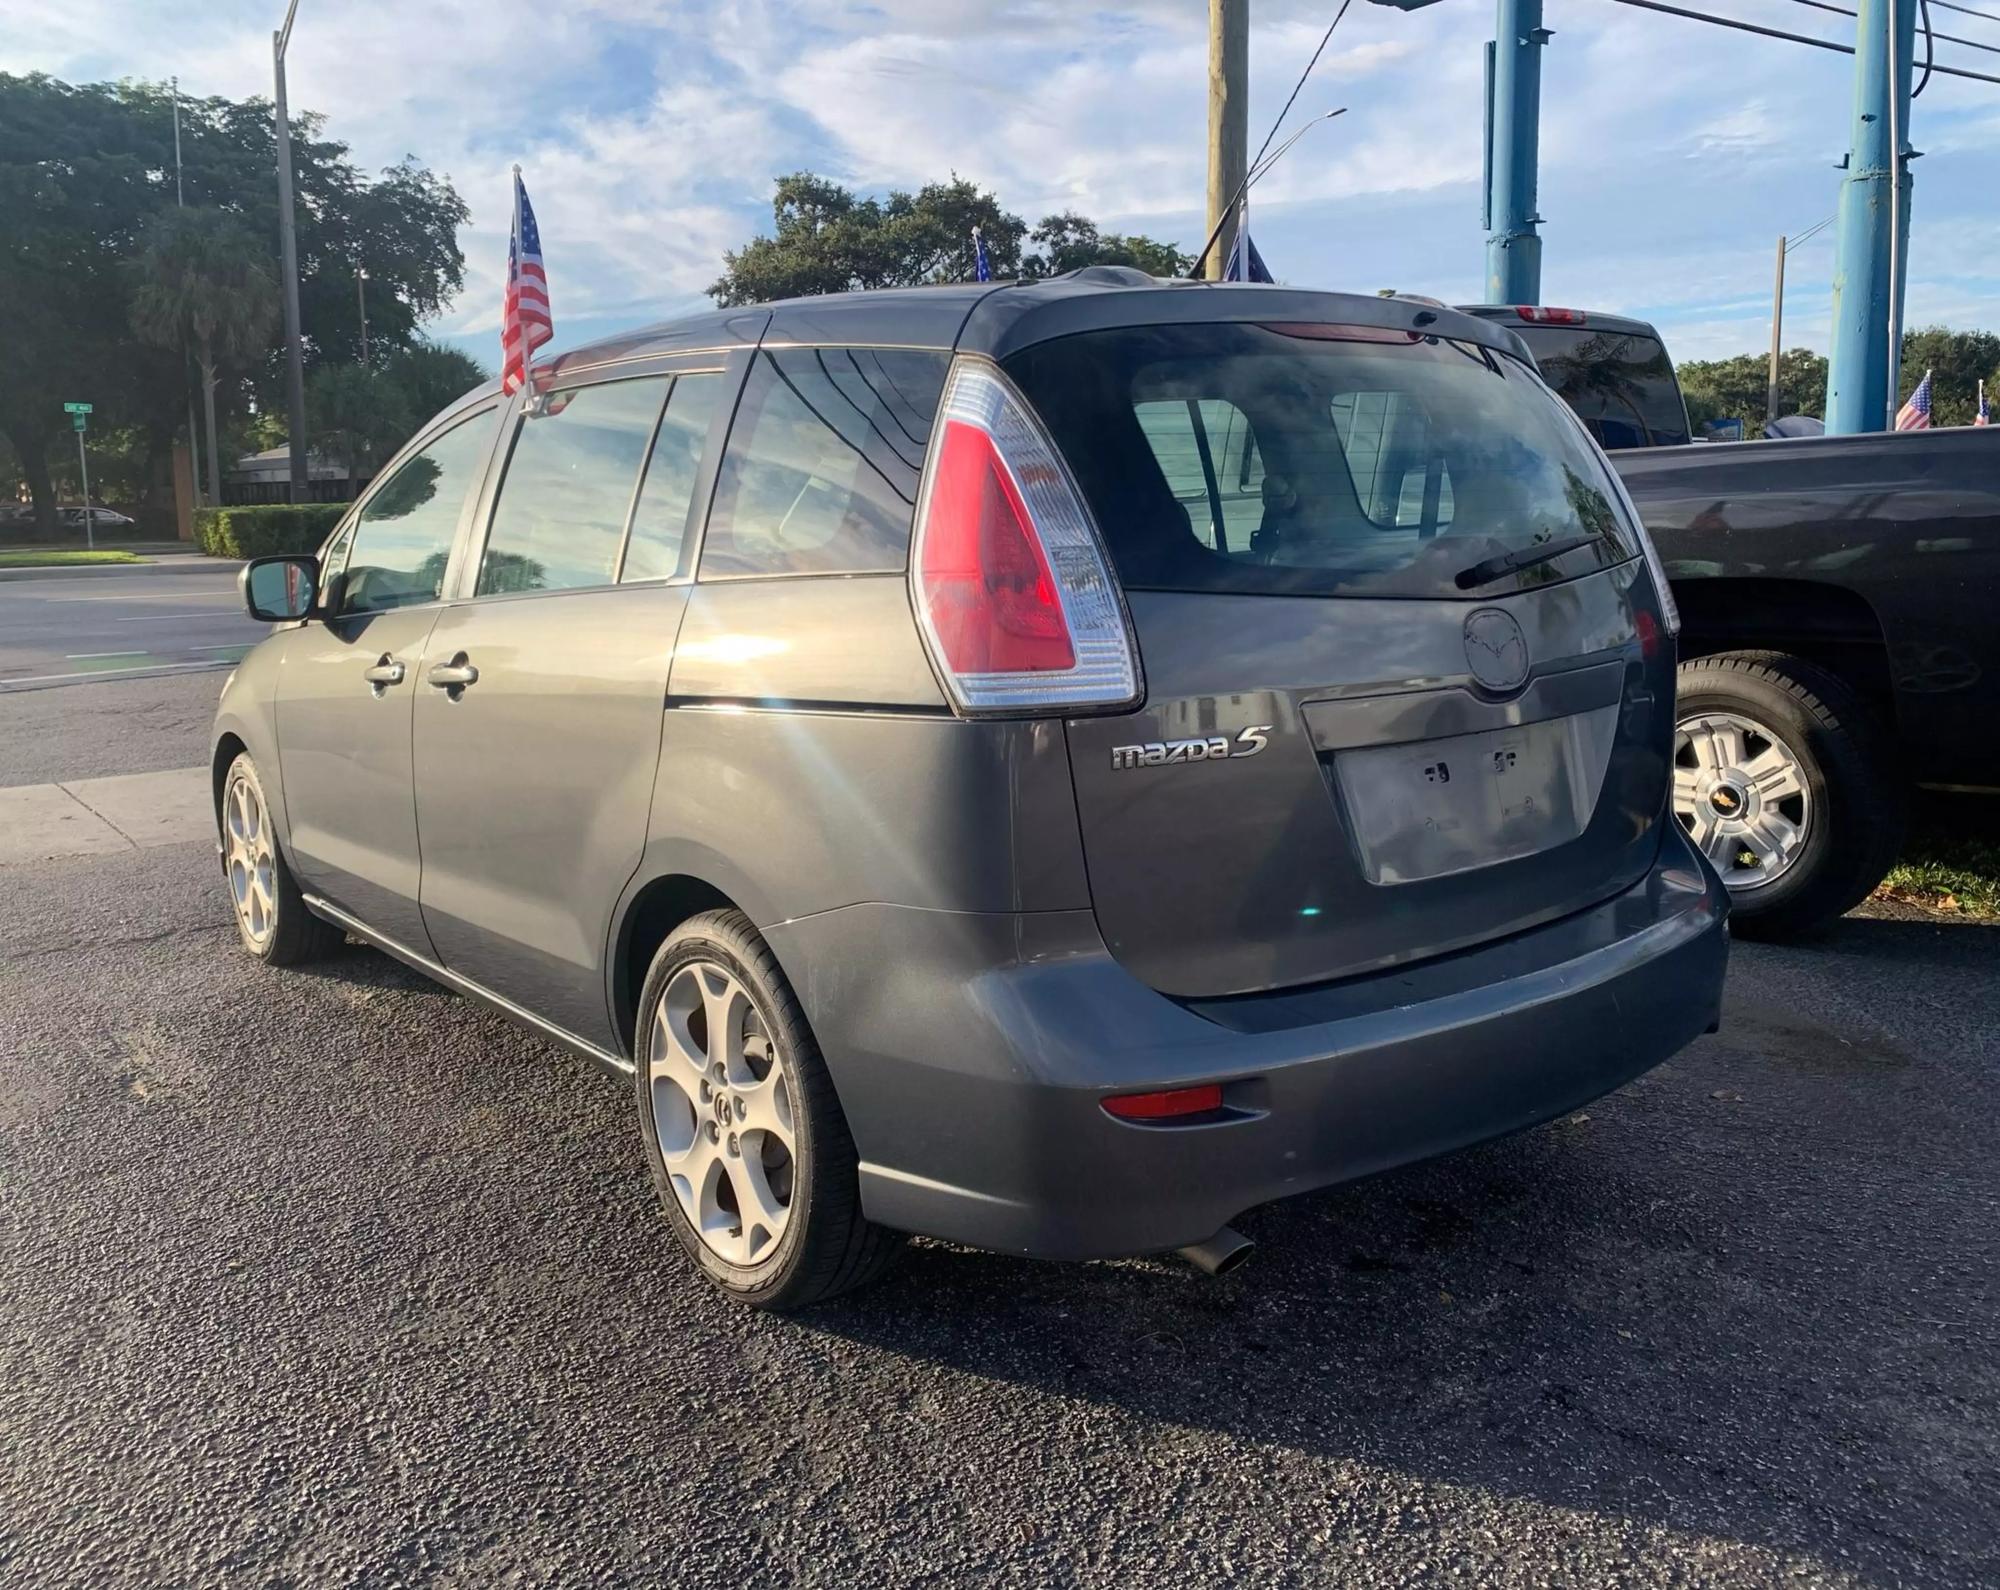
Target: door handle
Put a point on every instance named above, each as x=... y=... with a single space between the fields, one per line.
x=454 y=676
x=386 y=672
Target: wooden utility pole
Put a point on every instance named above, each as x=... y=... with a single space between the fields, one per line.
x=1228 y=120
x=1777 y=335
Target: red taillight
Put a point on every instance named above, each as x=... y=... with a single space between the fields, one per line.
x=1536 y=315
x=985 y=579
x=1649 y=633
x=1167 y=1105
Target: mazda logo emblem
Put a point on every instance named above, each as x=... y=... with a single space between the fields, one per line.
x=1495 y=649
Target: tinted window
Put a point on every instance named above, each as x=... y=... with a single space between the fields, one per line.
x=820 y=476
x=1621 y=384
x=1384 y=465
x=659 y=528
x=561 y=515
x=402 y=539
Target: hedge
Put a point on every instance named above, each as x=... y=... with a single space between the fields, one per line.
x=258 y=532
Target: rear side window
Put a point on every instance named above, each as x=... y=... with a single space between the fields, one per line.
x=820 y=475
x=1383 y=462
x=659 y=526
x=1208 y=453
x=402 y=537
x=560 y=519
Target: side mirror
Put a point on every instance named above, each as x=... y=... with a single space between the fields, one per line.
x=279 y=590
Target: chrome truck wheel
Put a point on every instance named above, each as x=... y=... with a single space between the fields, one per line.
x=1740 y=792
x=1789 y=783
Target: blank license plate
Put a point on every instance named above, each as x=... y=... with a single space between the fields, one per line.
x=1435 y=807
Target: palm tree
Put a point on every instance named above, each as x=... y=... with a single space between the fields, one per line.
x=203 y=284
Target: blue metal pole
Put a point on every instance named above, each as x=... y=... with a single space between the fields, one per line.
x=1872 y=243
x=1513 y=115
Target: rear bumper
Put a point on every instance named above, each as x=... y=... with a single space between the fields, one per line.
x=971 y=1052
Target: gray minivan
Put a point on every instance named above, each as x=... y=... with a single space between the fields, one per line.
x=1047 y=766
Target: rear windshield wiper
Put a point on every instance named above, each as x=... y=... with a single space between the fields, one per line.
x=1487 y=570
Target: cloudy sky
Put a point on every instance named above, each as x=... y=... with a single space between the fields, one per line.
x=1673 y=154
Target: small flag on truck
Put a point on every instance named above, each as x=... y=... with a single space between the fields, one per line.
x=1915 y=415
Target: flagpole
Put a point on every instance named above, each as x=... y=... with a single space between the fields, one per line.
x=516 y=259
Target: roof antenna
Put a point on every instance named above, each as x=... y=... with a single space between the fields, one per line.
x=1249 y=178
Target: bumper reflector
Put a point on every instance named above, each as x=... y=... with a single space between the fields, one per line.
x=1167 y=1105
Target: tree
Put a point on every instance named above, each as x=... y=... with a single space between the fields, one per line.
x=1957 y=361
x=1737 y=388
x=198 y=284
x=431 y=377
x=827 y=239
x=357 y=413
x=84 y=174
x=1070 y=242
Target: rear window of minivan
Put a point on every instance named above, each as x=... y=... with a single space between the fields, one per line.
x=1309 y=459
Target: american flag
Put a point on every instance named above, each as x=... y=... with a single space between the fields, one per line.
x=1915 y=415
x=524 y=316
x=1984 y=416
x=981 y=270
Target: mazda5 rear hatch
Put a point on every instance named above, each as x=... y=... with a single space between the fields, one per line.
x=1408 y=684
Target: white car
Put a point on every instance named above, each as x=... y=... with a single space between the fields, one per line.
x=101 y=518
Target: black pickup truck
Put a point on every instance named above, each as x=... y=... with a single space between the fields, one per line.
x=1840 y=601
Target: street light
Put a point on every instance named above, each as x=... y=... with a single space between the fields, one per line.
x=295 y=368
x=361 y=297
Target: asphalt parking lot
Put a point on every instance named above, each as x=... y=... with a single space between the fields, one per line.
x=331 y=1278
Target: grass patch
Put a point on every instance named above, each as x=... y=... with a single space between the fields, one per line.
x=62 y=559
x=1952 y=860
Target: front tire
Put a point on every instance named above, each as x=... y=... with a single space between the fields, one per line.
x=1782 y=777
x=748 y=1147
x=271 y=915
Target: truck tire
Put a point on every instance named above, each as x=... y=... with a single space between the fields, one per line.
x=1784 y=779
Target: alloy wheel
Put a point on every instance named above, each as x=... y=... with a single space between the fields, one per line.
x=723 y=1113
x=1740 y=791
x=251 y=862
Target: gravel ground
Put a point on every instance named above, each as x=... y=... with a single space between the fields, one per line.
x=332 y=1278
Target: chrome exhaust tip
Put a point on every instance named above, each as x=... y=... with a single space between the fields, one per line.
x=1227 y=1250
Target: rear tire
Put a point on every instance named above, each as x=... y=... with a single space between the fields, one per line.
x=745 y=1138
x=271 y=915
x=1803 y=732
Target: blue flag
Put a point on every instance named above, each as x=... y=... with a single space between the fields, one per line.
x=1245 y=263
x=980 y=269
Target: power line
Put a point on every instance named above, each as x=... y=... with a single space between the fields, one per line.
x=1984 y=16
x=1942 y=38
x=1301 y=83
x=1779 y=33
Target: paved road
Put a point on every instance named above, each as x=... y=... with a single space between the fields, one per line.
x=179 y=615
x=329 y=1277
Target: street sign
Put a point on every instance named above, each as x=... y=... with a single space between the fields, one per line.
x=76 y=408
x=80 y=421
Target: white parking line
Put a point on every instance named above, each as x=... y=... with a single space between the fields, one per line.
x=86 y=656
x=166 y=618
x=153 y=596
x=110 y=673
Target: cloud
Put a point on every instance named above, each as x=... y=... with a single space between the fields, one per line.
x=650 y=132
